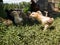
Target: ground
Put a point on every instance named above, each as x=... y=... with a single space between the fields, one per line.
x=30 y=35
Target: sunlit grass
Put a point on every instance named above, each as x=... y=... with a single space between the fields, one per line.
x=30 y=35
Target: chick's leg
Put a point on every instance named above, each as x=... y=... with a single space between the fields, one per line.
x=45 y=27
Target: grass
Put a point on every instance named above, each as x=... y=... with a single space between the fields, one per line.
x=30 y=35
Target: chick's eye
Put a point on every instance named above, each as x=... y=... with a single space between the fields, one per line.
x=32 y=14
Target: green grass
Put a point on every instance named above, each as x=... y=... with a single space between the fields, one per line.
x=30 y=35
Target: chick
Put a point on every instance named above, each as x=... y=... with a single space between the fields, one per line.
x=17 y=19
x=7 y=22
x=46 y=21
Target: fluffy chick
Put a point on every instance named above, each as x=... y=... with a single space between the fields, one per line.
x=46 y=21
x=7 y=22
x=17 y=18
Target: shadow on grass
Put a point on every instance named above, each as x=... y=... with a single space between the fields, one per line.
x=52 y=28
x=30 y=22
